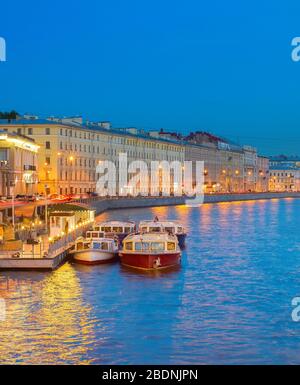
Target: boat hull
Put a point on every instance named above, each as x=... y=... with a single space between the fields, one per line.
x=92 y=257
x=181 y=240
x=150 y=261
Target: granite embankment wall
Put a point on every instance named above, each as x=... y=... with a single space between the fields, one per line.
x=103 y=205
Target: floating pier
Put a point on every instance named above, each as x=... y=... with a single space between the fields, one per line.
x=48 y=251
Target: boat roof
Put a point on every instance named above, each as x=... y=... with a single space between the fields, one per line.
x=151 y=237
x=115 y=223
x=159 y=223
x=101 y=239
x=151 y=223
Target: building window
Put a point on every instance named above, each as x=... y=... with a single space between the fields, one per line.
x=47 y=131
x=29 y=131
x=48 y=145
x=47 y=160
x=19 y=131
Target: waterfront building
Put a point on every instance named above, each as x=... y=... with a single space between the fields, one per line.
x=263 y=174
x=284 y=161
x=228 y=167
x=70 y=150
x=284 y=178
x=18 y=165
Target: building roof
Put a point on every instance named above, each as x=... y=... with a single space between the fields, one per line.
x=284 y=158
x=89 y=126
x=284 y=167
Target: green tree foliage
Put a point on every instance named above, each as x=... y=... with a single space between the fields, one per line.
x=9 y=115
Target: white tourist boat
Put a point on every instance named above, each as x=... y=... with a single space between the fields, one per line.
x=116 y=228
x=95 y=248
x=171 y=227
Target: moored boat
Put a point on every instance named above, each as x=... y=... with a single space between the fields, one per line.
x=150 y=251
x=171 y=227
x=116 y=228
x=95 y=248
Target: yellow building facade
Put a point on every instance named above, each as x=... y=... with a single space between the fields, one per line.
x=69 y=153
x=18 y=165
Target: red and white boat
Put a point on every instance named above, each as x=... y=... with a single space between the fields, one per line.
x=150 y=251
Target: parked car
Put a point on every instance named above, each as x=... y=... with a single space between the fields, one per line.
x=31 y=198
x=20 y=197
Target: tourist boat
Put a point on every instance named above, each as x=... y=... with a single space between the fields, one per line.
x=95 y=248
x=171 y=227
x=150 y=251
x=116 y=228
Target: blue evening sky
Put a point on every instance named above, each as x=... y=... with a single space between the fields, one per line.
x=221 y=66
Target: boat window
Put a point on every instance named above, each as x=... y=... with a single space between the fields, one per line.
x=142 y=246
x=146 y=245
x=80 y=246
x=97 y=228
x=88 y=234
x=128 y=246
x=104 y=246
x=171 y=246
x=127 y=230
x=102 y=228
x=95 y=235
x=155 y=229
x=107 y=229
x=179 y=229
x=86 y=246
x=170 y=229
x=96 y=245
x=117 y=229
x=157 y=246
x=144 y=228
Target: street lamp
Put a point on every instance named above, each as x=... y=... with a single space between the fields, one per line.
x=46 y=207
x=12 y=185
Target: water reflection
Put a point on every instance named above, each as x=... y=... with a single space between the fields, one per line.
x=43 y=324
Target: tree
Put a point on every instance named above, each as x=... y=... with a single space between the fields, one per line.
x=9 y=115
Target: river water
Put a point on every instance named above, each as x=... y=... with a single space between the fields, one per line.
x=229 y=302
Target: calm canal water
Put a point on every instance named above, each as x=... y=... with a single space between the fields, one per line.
x=229 y=303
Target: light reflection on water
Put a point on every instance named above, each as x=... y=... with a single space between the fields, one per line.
x=228 y=303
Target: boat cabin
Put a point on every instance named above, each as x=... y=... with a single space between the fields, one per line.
x=93 y=234
x=116 y=227
x=104 y=244
x=161 y=226
x=150 y=243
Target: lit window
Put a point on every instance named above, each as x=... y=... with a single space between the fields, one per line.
x=128 y=246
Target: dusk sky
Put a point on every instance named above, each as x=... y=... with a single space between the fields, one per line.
x=220 y=66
